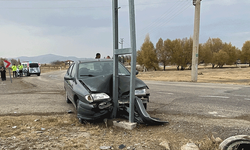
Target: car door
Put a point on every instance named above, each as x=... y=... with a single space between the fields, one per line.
x=68 y=84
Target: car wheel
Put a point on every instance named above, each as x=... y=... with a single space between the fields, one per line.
x=38 y=74
x=67 y=99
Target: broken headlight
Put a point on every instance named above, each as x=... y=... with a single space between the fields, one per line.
x=139 y=92
x=96 y=97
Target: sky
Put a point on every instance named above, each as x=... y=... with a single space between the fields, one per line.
x=83 y=28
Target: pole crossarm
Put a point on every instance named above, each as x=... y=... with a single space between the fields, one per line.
x=123 y=51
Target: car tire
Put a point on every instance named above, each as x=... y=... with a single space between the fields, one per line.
x=67 y=99
x=38 y=74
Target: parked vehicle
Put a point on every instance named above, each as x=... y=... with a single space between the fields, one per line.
x=34 y=68
x=89 y=86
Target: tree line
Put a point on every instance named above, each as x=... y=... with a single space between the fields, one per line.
x=179 y=52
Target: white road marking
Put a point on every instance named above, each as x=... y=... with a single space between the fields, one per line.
x=165 y=93
x=247 y=99
x=216 y=96
x=213 y=113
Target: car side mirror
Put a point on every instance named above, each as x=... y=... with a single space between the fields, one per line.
x=69 y=78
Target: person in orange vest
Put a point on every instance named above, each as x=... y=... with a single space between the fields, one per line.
x=14 y=68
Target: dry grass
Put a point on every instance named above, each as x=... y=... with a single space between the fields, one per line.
x=45 y=69
x=65 y=132
x=227 y=75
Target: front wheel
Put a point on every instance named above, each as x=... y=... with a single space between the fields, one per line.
x=38 y=74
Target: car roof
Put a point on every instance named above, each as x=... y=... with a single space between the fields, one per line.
x=94 y=60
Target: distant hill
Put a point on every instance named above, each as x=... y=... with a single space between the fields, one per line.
x=48 y=58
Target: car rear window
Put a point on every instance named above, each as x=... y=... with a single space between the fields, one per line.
x=34 y=65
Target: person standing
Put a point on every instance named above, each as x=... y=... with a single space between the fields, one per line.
x=3 y=73
x=97 y=56
x=14 y=68
x=20 y=67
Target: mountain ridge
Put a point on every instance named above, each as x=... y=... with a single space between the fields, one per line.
x=48 y=58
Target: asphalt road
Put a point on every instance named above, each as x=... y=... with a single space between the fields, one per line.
x=46 y=93
x=206 y=99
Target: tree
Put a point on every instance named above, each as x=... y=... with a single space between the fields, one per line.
x=181 y=52
x=215 y=45
x=1 y=61
x=13 y=61
x=205 y=54
x=187 y=51
x=162 y=50
x=220 y=58
x=245 y=55
x=147 y=55
x=177 y=53
x=231 y=52
x=57 y=63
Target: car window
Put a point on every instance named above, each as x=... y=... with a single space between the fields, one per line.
x=24 y=65
x=34 y=65
x=100 y=68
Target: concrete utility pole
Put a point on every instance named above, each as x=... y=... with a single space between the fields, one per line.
x=195 y=54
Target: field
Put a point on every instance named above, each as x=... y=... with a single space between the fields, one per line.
x=226 y=75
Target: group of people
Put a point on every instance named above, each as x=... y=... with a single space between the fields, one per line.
x=14 y=69
x=98 y=56
x=20 y=70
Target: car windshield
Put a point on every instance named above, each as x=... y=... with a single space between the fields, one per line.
x=98 y=68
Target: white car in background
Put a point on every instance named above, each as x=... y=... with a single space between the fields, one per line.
x=34 y=68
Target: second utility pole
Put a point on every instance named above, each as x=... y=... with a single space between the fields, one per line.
x=195 y=54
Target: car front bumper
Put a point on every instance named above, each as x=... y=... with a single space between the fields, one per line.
x=91 y=112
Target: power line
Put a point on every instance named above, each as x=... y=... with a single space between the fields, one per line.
x=85 y=7
x=166 y=20
x=159 y=18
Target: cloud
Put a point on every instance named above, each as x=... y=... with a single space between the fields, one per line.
x=22 y=40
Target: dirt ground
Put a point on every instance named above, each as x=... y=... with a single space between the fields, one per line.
x=63 y=131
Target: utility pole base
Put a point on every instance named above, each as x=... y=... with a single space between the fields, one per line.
x=125 y=125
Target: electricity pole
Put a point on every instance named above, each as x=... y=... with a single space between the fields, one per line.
x=195 y=54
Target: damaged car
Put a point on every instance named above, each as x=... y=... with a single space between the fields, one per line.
x=89 y=87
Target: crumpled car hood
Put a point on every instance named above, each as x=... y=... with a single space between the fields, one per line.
x=104 y=84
